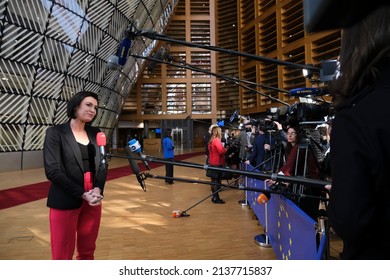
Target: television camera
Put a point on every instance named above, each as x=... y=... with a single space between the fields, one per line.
x=305 y=116
x=310 y=110
x=296 y=115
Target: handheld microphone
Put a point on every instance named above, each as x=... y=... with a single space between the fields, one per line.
x=233 y=116
x=123 y=50
x=101 y=142
x=134 y=167
x=136 y=147
x=302 y=92
x=263 y=198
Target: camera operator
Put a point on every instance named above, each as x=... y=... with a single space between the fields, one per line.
x=277 y=140
x=280 y=133
x=246 y=140
x=325 y=136
x=297 y=165
x=233 y=150
x=260 y=145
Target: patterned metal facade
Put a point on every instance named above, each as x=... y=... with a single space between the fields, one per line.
x=52 y=49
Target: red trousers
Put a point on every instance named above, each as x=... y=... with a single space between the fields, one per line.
x=75 y=228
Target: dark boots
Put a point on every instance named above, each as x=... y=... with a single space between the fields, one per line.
x=215 y=190
x=216 y=199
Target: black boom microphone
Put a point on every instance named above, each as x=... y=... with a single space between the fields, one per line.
x=134 y=167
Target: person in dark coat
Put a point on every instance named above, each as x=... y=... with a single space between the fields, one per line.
x=73 y=165
x=259 y=147
x=359 y=208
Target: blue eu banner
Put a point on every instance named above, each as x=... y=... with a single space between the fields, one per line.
x=291 y=232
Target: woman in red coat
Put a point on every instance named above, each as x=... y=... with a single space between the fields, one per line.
x=216 y=158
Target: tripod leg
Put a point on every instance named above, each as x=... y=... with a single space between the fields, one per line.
x=184 y=213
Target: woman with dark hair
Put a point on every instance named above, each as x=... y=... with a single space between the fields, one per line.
x=291 y=141
x=73 y=166
x=359 y=208
x=169 y=154
x=301 y=161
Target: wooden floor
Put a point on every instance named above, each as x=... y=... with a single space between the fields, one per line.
x=138 y=225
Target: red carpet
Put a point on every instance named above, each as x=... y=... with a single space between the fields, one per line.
x=28 y=193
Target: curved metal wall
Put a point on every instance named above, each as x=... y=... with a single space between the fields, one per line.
x=50 y=50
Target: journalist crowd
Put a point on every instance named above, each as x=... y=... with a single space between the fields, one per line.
x=271 y=146
x=349 y=151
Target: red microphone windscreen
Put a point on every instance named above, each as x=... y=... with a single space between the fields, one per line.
x=262 y=198
x=101 y=139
